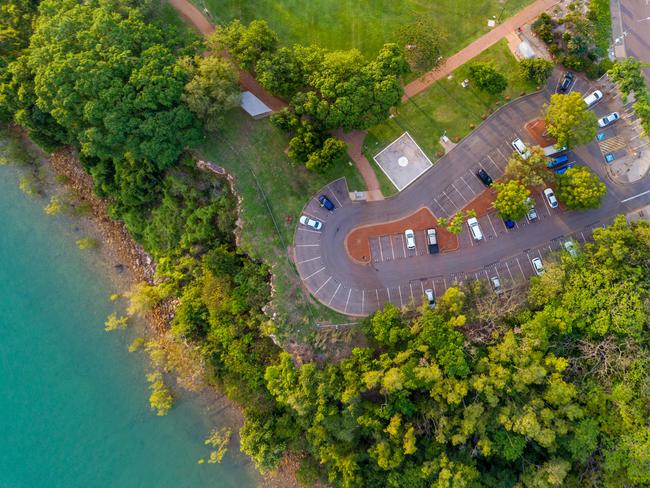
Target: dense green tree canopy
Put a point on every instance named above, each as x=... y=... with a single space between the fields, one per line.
x=536 y=69
x=579 y=188
x=569 y=121
x=531 y=171
x=511 y=200
x=487 y=77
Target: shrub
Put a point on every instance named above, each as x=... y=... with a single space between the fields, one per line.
x=486 y=77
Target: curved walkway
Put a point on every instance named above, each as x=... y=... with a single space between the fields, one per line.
x=478 y=46
x=398 y=275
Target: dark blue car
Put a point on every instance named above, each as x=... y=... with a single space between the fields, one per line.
x=325 y=202
x=563 y=169
x=559 y=161
x=509 y=224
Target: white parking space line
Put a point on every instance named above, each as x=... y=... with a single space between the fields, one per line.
x=381 y=252
x=494 y=164
x=509 y=272
x=401 y=302
x=309 y=230
x=391 y=247
x=412 y=296
x=307 y=245
x=521 y=269
x=492 y=225
x=403 y=245
x=548 y=209
x=584 y=239
x=308 y=260
x=458 y=191
x=348 y=299
x=335 y=291
x=550 y=249
x=452 y=202
x=636 y=196
x=363 y=299
x=314 y=273
x=321 y=286
x=335 y=198
x=504 y=158
x=467 y=184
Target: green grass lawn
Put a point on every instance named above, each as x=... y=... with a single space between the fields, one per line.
x=364 y=24
x=246 y=147
x=447 y=106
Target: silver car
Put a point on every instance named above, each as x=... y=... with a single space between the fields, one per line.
x=608 y=119
x=532 y=212
x=538 y=266
x=431 y=298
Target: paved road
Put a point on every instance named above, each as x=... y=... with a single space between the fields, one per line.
x=634 y=21
x=400 y=276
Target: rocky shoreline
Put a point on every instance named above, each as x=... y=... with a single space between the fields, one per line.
x=119 y=251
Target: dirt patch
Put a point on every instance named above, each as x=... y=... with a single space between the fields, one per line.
x=358 y=245
x=537 y=130
x=482 y=204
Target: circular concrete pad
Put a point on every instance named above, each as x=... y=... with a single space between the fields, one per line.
x=403 y=161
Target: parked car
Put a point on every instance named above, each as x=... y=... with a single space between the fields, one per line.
x=410 y=238
x=538 y=266
x=496 y=284
x=532 y=212
x=475 y=229
x=521 y=148
x=550 y=197
x=552 y=150
x=608 y=119
x=432 y=241
x=593 y=98
x=571 y=248
x=484 y=177
x=326 y=203
x=566 y=83
x=510 y=224
x=431 y=298
x=563 y=169
x=309 y=222
x=559 y=161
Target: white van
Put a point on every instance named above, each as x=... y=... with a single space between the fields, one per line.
x=521 y=148
x=475 y=229
x=593 y=98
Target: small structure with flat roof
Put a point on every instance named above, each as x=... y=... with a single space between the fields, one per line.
x=403 y=161
x=253 y=106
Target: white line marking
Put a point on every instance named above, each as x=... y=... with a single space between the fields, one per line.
x=461 y=195
x=433 y=285
x=388 y=292
x=307 y=245
x=377 y=293
x=492 y=225
x=444 y=281
x=549 y=248
x=520 y=268
x=346 y=302
x=404 y=245
x=314 y=273
x=335 y=198
x=363 y=299
x=499 y=150
x=509 y=272
x=411 y=287
x=392 y=248
x=309 y=230
x=401 y=302
x=307 y=260
x=636 y=196
x=494 y=164
x=584 y=239
x=422 y=286
x=335 y=291
x=470 y=188
x=548 y=209
x=321 y=286
x=381 y=252
x=452 y=202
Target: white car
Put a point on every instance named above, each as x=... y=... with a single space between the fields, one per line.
x=532 y=213
x=550 y=196
x=570 y=247
x=431 y=298
x=537 y=266
x=521 y=148
x=496 y=283
x=410 y=238
x=593 y=98
x=608 y=119
x=309 y=222
x=475 y=229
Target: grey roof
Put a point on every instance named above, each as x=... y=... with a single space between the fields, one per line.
x=255 y=107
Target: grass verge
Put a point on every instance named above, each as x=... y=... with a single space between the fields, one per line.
x=254 y=152
x=448 y=107
x=345 y=24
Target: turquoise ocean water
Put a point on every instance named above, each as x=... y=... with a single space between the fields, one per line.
x=73 y=401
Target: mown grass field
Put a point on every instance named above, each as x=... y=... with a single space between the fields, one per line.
x=274 y=191
x=363 y=24
x=447 y=106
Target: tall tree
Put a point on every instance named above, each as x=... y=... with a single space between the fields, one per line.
x=581 y=189
x=246 y=43
x=487 y=77
x=531 y=171
x=536 y=69
x=569 y=121
x=511 y=200
x=213 y=89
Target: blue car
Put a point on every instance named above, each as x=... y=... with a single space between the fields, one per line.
x=563 y=169
x=509 y=224
x=325 y=202
x=559 y=161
